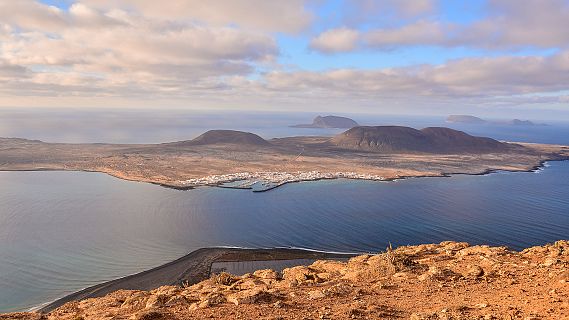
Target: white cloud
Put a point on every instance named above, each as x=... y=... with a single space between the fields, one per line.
x=281 y=16
x=510 y=24
x=415 y=7
x=336 y=40
x=29 y=14
x=84 y=16
x=9 y=72
x=94 y=50
x=225 y=53
x=466 y=78
x=507 y=25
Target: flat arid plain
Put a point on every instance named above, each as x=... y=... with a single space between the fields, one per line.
x=220 y=156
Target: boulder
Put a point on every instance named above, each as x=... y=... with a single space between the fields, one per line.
x=329 y=266
x=156 y=301
x=316 y=294
x=267 y=274
x=225 y=279
x=439 y=274
x=246 y=284
x=300 y=275
x=209 y=301
x=473 y=271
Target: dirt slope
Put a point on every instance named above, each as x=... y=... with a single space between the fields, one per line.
x=450 y=280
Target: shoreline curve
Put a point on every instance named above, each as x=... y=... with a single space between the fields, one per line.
x=190 y=269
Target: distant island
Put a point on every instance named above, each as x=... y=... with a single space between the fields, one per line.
x=244 y=160
x=518 y=122
x=460 y=118
x=329 y=122
x=468 y=119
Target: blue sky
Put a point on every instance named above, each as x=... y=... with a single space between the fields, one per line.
x=63 y=4
x=328 y=14
x=380 y=55
x=296 y=51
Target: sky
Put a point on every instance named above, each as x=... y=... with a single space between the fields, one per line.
x=482 y=57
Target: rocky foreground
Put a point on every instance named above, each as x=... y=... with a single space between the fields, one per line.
x=450 y=280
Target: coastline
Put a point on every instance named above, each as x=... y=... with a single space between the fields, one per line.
x=187 y=165
x=189 y=269
x=540 y=166
x=460 y=281
x=176 y=186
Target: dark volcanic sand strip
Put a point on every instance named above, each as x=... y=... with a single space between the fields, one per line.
x=190 y=269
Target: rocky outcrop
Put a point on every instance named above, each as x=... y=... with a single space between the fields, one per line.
x=394 y=139
x=329 y=122
x=449 y=280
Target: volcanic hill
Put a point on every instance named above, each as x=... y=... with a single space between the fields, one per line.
x=213 y=137
x=389 y=139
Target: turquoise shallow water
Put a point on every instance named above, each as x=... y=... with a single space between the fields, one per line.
x=63 y=231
